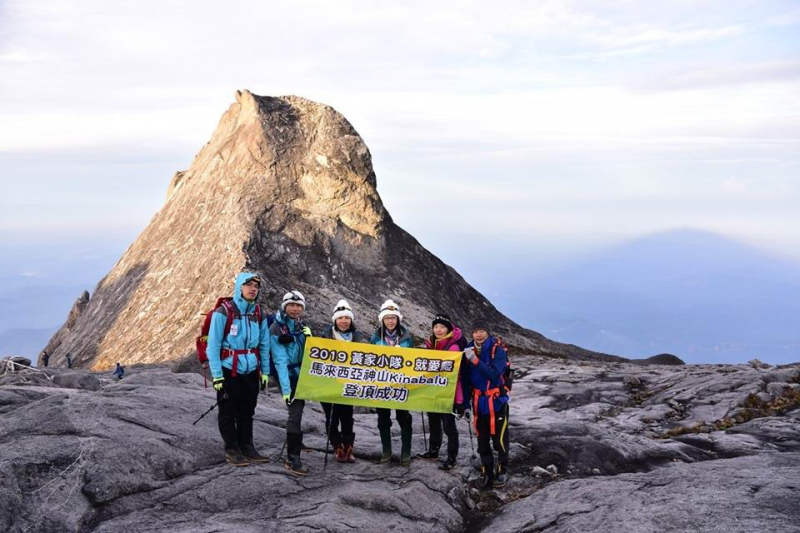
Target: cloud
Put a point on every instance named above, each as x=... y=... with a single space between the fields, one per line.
x=734 y=185
x=790 y=18
x=727 y=75
x=598 y=115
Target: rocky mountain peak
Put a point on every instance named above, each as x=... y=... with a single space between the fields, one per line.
x=286 y=187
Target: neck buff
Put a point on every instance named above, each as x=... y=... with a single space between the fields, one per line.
x=339 y=336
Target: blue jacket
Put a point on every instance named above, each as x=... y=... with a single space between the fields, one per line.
x=488 y=374
x=245 y=334
x=287 y=357
x=405 y=340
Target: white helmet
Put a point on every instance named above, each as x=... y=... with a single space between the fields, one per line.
x=293 y=297
x=342 y=309
x=389 y=308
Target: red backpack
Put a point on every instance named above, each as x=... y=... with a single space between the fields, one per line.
x=231 y=312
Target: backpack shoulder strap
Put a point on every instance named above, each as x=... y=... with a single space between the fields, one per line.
x=230 y=314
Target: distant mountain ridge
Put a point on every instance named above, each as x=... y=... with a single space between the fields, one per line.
x=700 y=296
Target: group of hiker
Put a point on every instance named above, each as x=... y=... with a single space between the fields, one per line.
x=245 y=346
x=119 y=371
x=45 y=358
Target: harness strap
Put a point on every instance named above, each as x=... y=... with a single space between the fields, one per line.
x=231 y=312
x=491 y=396
x=227 y=352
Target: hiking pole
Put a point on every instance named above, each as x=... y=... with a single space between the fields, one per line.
x=224 y=397
x=424 y=436
x=471 y=443
x=281 y=452
x=328 y=420
x=204 y=414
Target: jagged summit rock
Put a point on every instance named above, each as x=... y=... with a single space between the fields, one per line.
x=285 y=186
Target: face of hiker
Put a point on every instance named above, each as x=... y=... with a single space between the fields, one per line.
x=439 y=331
x=480 y=335
x=294 y=311
x=390 y=322
x=343 y=323
x=250 y=290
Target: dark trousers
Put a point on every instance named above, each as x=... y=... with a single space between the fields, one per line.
x=339 y=415
x=448 y=422
x=385 y=418
x=294 y=423
x=499 y=440
x=237 y=409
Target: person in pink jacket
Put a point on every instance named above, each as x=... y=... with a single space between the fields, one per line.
x=446 y=336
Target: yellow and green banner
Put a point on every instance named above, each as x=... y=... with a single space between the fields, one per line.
x=370 y=375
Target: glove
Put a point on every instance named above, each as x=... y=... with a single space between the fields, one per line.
x=286 y=338
x=459 y=411
x=469 y=353
x=219 y=383
x=288 y=399
x=468 y=415
x=264 y=381
x=307 y=331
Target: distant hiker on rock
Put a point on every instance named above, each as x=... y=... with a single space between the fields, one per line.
x=342 y=329
x=445 y=336
x=487 y=360
x=45 y=358
x=69 y=360
x=391 y=333
x=119 y=371
x=287 y=343
x=235 y=359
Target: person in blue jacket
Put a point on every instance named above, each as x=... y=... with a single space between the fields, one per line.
x=391 y=332
x=287 y=343
x=235 y=360
x=487 y=358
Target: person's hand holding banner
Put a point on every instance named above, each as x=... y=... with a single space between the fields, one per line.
x=469 y=353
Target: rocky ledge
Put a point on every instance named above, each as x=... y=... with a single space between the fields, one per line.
x=595 y=446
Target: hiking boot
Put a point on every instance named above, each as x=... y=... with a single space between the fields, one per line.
x=294 y=465
x=386 y=442
x=348 y=450
x=341 y=455
x=250 y=453
x=449 y=464
x=405 y=450
x=500 y=476
x=433 y=453
x=236 y=458
x=485 y=479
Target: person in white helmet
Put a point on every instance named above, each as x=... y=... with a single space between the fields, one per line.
x=287 y=342
x=343 y=328
x=391 y=332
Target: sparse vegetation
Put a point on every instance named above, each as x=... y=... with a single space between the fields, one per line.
x=753 y=408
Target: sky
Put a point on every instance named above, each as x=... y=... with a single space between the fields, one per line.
x=572 y=125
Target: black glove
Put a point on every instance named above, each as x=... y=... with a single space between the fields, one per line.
x=460 y=408
x=286 y=338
